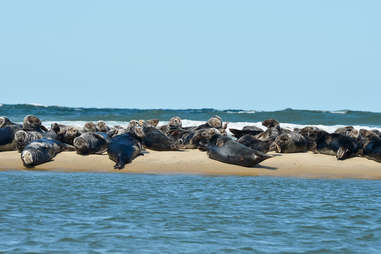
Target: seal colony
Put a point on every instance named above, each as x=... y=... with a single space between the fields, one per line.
x=247 y=147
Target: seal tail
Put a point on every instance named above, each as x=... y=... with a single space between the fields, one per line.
x=259 y=156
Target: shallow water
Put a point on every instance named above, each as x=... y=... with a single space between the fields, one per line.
x=47 y=212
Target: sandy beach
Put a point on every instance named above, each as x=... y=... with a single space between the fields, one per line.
x=305 y=165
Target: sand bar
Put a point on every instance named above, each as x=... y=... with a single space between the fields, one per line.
x=306 y=165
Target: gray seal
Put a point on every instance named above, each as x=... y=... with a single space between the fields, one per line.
x=290 y=143
x=7 y=134
x=23 y=138
x=91 y=143
x=371 y=145
x=251 y=130
x=343 y=147
x=254 y=143
x=41 y=151
x=126 y=147
x=33 y=123
x=154 y=139
x=225 y=149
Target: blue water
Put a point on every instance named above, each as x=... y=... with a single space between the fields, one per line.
x=47 y=212
x=304 y=117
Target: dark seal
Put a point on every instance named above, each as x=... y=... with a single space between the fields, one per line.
x=125 y=147
x=225 y=149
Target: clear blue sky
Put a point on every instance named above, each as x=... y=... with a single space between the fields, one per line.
x=263 y=55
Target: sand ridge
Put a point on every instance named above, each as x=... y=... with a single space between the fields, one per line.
x=306 y=165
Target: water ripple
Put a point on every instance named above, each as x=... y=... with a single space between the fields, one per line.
x=114 y=213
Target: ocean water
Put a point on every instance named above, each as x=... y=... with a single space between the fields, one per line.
x=47 y=212
x=289 y=118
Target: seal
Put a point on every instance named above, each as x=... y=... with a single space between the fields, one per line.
x=349 y=131
x=91 y=143
x=89 y=127
x=174 y=123
x=154 y=139
x=65 y=133
x=41 y=151
x=251 y=130
x=343 y=147
x=7 y=134
x=290 y=143
x=199 y=139
x=101 y=126
x=273 y=130
x=225 y=149
x=33 y=123
x=371 y=145
x=5 y=122
x=254 y=143
x=23 y=138
x=214 y=122
x=126 y=147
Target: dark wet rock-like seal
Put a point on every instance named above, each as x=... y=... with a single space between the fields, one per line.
x=290 y=143
x=225 y=149
x=251 y=130
x=254 y=143
x=126 y=147
x=154 y=139
x=7 y=134
x=341 y=146
x=91 y=143
x=41 y=151
x=198 y=139
x=371 y=145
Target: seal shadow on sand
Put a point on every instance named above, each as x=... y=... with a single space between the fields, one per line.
x=268 y=167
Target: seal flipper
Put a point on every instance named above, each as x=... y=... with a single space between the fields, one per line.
x=343 y=153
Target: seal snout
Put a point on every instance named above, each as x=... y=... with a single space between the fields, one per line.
x=27 y=158
x=81 y=145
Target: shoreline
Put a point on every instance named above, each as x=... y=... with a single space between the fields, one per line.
x=300 y=165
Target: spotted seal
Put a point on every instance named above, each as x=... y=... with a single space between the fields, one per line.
x=91 y=143
x=41 y=151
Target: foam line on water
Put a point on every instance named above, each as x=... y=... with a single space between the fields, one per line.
x=235 y=125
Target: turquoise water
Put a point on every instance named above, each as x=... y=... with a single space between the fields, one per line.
x=47 y=212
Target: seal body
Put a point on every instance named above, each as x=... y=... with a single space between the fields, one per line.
x=251 y=130
x=7 y=140
x=254 y=143
x=7 y=134
x=225 y=149
x=341 y=146
x=123 y=149
x=91 y=143
x=372 y=149
x=41 y=151
x=290 y=143
x=154 y=139
x=33 y=123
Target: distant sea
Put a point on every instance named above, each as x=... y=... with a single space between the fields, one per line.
x=289 y=118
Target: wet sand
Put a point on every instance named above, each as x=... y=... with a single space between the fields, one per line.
x=305 y=165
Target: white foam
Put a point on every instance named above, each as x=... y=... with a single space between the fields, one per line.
x=234 y=125
x=37 y=105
